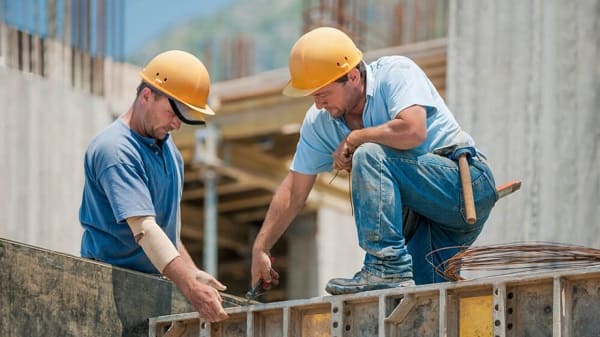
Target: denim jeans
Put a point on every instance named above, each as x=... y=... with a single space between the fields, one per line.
x=385 y=179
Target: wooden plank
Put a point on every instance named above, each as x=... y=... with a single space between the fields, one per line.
x=222 y=189
x=271 y=83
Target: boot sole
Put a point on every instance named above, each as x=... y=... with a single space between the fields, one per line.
x=342 y=290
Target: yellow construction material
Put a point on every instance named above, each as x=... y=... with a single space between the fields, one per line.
x=475 y=316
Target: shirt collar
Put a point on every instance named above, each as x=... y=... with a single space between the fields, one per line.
x=370 y=88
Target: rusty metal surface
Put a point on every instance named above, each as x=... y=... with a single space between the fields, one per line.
x=314 y=322
x=529 y=310
x=361 y=319
x=584 y=306
x=422 y=321
x=269 y=323
x=517 y=306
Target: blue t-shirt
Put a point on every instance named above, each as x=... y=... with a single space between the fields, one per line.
x=394 y=83
x=128 y=175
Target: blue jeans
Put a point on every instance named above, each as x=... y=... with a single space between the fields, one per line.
x=385 y=179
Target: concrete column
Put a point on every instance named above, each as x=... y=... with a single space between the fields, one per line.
x=524 y=79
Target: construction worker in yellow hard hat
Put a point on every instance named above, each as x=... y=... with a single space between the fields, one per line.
x=134 y=177
x=387 y=125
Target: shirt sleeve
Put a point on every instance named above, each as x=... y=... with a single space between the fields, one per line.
x=404 y=85
x=309 y=160
x=313 y=152
x=126 y=191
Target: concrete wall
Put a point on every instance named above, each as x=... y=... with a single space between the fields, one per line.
x=44 y=130
x=321 y=246
x=337 y=244
x=524 y=80
x=43 y=293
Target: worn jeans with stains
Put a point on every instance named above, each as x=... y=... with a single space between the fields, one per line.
x=385 y=179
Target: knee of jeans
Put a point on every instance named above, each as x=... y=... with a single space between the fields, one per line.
x=366 y=151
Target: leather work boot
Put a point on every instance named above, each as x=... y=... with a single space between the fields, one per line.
x=363 y=281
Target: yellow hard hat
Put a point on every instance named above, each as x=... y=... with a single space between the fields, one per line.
x=318 y=58
x=184 y=80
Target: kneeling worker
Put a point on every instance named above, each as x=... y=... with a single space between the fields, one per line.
x=385 y=123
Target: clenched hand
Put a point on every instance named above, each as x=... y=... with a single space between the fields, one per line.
x=342 y=157
x=262 y=270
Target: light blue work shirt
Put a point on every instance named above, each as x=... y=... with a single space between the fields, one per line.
x=394 y=83
x=128 y=175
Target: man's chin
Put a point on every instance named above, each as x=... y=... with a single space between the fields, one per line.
x=161 y=134
x=335 y=113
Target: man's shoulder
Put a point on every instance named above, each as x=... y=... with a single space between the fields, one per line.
x=313 y=114
x=394 y=70
x=391 y=61
x=113 y=143
x=112 y=130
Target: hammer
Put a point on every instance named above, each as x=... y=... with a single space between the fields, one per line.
x=461 y=154
x=467 y=188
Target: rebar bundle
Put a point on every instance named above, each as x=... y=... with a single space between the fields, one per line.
x=519 y=257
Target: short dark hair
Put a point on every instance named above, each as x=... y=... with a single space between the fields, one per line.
x=142 y=85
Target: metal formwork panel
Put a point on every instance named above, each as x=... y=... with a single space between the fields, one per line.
x=558 y=304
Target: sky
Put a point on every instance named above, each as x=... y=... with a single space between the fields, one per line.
x=146 y=19
x=143 y=20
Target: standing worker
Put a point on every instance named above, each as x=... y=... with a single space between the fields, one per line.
x=134 y=180
x=382 y=122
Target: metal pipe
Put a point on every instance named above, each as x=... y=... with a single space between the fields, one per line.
x=210 y=222
x=206 y=154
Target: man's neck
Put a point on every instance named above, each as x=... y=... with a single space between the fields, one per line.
x=129 y=118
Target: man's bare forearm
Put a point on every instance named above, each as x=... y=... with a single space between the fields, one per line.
x=285 y=206
x=405 y=132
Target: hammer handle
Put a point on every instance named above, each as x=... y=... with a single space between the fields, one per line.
x=465 y=180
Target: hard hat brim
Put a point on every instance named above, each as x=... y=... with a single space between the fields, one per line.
x=291 y=91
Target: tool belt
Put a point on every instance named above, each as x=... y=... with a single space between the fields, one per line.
x=410 y=221
x=410 y=218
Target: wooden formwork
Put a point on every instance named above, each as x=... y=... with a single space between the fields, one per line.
x=559 y=304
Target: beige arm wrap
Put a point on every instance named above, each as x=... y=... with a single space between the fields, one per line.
x=153 y=240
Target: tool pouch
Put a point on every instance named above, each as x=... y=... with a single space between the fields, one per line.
x=410 y=221
x=445 y=151
x=455 y=151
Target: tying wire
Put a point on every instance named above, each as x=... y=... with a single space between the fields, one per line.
x=349 y=189
x=334 y=176
x=514 y=258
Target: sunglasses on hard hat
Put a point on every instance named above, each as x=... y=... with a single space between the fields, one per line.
x=184 y=113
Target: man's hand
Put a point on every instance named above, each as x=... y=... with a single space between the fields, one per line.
x=199 y=287
x=207 y=301
x=208 y=279
x=342 y=157
x=262 y=270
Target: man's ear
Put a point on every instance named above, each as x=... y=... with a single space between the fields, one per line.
x=145 y=95
x=354 y=75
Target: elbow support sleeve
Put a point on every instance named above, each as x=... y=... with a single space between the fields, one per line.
x=153 y=240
